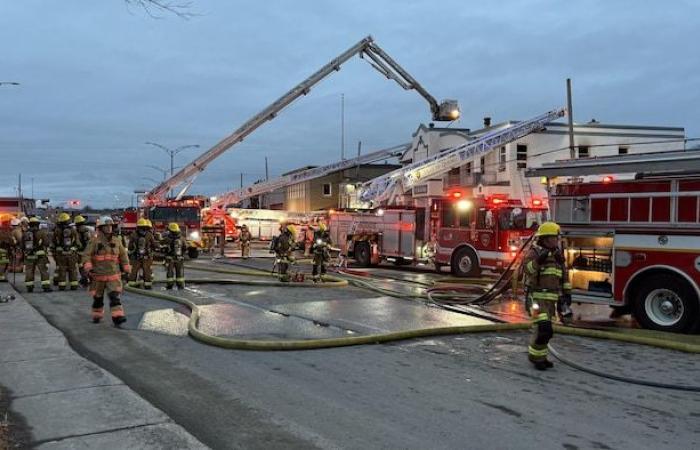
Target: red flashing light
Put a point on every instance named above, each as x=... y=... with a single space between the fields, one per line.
x=457 y=194
x=498 y=201
x=537 y=202
x=607 y=179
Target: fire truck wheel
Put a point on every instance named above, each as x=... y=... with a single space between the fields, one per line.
x=193 y=252
x=465 y=263
x=363 y=254
x=666 y=302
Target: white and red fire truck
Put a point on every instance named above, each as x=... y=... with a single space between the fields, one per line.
x=634 y=245
x=464 y=233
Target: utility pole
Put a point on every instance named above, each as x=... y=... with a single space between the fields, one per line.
x=19 y=193
x=570 y=114
x=357 y=167
x=267 y=173
x=172 y=153
x=342 y=126
x=241 y=180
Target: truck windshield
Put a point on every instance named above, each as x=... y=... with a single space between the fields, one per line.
x=174 y=214
x=519 y=218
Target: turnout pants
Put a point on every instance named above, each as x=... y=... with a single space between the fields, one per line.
x=284 y=262
x=66 y=268
x=175 y=273
x=245 y=249
x=112 y=285
x=542 y=330
x=33 y=263
x=320 y=265
x=144 y=266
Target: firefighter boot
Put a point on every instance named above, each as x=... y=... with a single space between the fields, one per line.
x=116 y=309
x=97 y=309
x=30 y=288
x=548 y=364
x=540 y=365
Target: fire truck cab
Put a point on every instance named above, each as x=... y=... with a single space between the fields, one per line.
x=634 y=245
x=481 y=232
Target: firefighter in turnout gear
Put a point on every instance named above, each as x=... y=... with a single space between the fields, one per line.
x=6 y=249
x=174 y=247
x=142 y=245
x=283 y=248
x=65 y=246
x=105 y=259
x=84 y=236
x=321 y=250
x=117 y=231
x=245 y=238
x=548 y=290
x=35 y=243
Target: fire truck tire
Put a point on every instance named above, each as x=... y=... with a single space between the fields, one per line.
x=666 y=302
x=465 y=263
x=363 y=254
x=193 y=252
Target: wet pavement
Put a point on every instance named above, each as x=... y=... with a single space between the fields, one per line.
x=474 y=391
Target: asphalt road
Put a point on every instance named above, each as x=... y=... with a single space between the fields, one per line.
x=475 y=391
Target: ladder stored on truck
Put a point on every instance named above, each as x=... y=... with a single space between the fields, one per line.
x=264 y=187
x=386 y=188
x=447 y=110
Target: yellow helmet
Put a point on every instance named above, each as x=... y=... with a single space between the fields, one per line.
x=142 y=223
x=79 y=219
x=33 y=220
x=173 y=227
x=548 y=229
x=149 y=224
x=63 y=217
x=292 y=229
x=322 y=227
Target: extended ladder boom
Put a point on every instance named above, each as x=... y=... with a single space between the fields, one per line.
x=265 y=187
x=447 y=110
x=388 y=187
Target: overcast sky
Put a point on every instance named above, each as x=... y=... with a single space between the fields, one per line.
x=98 y=79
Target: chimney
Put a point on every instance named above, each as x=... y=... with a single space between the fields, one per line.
x=487 y=122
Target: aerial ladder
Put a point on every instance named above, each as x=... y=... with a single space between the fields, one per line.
x=447 y=110
x=387 y=188
x=264 y=187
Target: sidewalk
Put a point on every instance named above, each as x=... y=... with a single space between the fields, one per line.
x=67 y=401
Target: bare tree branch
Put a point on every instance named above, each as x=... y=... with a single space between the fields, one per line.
x=156 y=8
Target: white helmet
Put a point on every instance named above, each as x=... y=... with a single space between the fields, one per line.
x=105 y=220
x=14 y=222
x=24 y=219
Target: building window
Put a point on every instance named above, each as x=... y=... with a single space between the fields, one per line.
x=521 y=156
x=622 y=150
x=468 y=168
x=482 y=164
x=583 y=151
x=327 y=191
x=502 y=159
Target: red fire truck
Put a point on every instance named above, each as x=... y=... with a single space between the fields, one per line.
x=634 y=245
x=467 y=234
x=187 y=213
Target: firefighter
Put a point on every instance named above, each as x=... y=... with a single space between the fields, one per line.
x=309 y=235
x=245 y=238
x=142 y=245
x=283 y=248
x=547 y=290
x=65 y=245
x=105 y=259
x=174 y=247
x=321 y=251
x=84 y=236
x=35 y=243
x=16 y=255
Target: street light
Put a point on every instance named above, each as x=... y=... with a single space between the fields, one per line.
x=172 y=152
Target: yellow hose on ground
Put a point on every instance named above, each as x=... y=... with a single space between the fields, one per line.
x=309 y=344
x=329 y=280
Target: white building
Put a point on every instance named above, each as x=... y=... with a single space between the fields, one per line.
x=500 y=171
